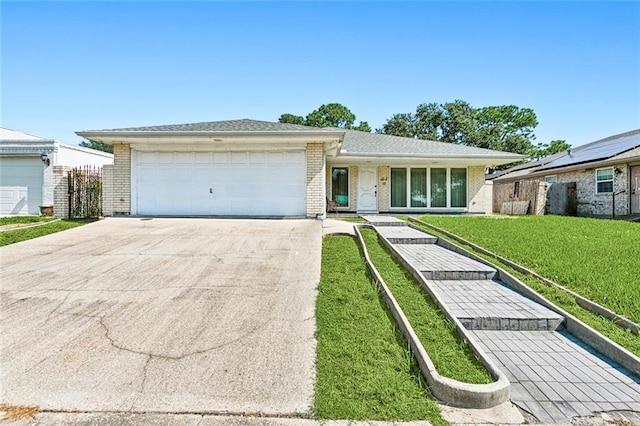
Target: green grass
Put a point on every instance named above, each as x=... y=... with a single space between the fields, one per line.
x=17 y=235
x=352 y=219
x=365 y=370
x=23 y=219
x=596 y=258
x=449 y=353
x=563 y=300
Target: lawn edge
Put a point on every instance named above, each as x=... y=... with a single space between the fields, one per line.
x=573 y=324
x=448 y=390
x=582 y=301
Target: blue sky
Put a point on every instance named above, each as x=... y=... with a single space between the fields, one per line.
x=69 y=66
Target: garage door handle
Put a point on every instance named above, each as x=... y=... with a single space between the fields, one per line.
x=210 y=190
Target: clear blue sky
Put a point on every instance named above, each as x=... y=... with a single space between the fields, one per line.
x=69 y=66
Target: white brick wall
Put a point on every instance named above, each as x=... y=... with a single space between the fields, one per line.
x=384 y=183
x=61 y=191
x=480 y=192
x=107 y=190
x=121 y=179
x=315 y=180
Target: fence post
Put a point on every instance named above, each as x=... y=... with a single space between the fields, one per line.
x=60 y=192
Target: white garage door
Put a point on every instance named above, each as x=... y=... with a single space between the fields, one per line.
x=220 y=183
x=20 y=185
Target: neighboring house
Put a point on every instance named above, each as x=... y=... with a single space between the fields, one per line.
x=258 y=168
x=26 y=169
x=602 y=170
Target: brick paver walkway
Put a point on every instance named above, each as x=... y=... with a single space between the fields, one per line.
x=553 y=375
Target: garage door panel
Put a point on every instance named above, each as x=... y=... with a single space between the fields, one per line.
x=21 y=180
x=239 y=157
x=215 y=183
x=220 y=157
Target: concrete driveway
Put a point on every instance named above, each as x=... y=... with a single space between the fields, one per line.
x=162 y=315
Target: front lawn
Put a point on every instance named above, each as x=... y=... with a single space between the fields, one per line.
x=451 y=356
x=596 y=258
x=11 y=220
x=17 y=235
x=364 y=368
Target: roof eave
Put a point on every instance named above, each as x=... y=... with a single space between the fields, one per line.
x=111 y=137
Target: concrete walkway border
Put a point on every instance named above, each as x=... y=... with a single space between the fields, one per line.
x=587 y=304
x=573 y=325
x=447 y=390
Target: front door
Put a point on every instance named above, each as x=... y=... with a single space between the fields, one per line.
x=367 y=190
x=635 y=190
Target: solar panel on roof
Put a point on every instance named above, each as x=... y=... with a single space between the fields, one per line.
x=596 y=151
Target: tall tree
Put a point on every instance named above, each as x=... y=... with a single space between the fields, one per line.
x=505 y=128
x=97 y=145
x=328 y=115
x=544 y=149
x=291 y=119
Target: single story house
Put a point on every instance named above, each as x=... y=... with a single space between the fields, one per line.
x=258 y=168
x=26 y=169
x=605 y=172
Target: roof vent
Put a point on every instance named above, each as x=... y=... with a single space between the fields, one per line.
x=569 y=152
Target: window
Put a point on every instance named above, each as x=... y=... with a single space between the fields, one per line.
x=418 y=187
x=438 y=187
x=604 y=180
x=551 y=179
x=340 y=186
x=398 y=187
x=458 y=187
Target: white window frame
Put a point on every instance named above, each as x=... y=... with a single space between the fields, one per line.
x=428 y=169
x=551 y=178
x=607 y=180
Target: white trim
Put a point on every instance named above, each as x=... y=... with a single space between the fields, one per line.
x=133 y=177
x=612 y=180
x=428 y=193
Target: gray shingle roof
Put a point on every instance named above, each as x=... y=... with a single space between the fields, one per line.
x=243 y=125
x=357 y=143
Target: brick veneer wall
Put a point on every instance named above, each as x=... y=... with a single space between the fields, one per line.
x=480 y=191
x=592 y=204
x=315 y=180
x=353 y=188
x=384 y=183
x=121 y=179
x=61 y=191
x=107 y=190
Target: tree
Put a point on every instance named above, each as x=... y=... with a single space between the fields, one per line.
x=328 y=115
x=291 y=119
x=97 y=145
x=504 y=128
x=544 y=149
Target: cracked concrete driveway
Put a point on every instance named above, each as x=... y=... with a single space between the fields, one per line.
x=162 y=315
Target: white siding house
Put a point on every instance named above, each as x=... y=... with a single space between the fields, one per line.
x=26 y=169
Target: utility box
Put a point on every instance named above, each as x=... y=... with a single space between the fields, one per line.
x=562 y=199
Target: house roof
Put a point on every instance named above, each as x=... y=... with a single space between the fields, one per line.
x=354 y=143
x=243 y=125
x=7 y=134
x=617 y=147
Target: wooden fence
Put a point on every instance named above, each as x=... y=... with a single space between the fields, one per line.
x=515 y=193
